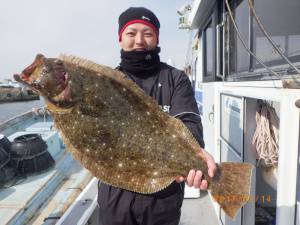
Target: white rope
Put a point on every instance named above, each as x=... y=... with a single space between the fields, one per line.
x=266 y=136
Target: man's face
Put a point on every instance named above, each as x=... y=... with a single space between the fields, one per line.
x=138 y=37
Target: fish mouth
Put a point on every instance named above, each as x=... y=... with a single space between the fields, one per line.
x=24 y=77
x=21 y=78
x=33 y=78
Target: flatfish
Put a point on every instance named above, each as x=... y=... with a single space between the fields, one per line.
x=121 y=135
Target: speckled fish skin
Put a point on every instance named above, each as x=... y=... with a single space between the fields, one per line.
x=120 y=134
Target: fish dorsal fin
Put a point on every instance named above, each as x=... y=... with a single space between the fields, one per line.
x=87 y=64
x=180 y=127
x=111 y=73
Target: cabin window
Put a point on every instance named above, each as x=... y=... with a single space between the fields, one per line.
x=208 y=34
x=208 y=50
x=238 y=57
x=281 y=20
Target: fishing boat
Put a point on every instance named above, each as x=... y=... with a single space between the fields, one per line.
x=41 y=197
x=11 y=92
x=237 y=73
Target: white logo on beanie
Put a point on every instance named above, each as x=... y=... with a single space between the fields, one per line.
x=145 y=18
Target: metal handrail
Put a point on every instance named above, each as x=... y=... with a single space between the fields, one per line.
x=218 y=74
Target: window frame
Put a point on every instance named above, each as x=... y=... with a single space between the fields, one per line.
x=255 y=72
x=213 y=19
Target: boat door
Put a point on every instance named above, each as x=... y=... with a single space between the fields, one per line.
x=231 y=139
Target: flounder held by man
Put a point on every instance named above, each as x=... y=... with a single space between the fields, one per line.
x=121 y=135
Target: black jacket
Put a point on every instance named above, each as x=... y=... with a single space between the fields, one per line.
x=173 y=91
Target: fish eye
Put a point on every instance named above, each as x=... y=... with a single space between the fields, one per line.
x=44 y=71
x=36 y=83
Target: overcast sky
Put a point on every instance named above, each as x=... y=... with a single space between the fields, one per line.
x=83 y=28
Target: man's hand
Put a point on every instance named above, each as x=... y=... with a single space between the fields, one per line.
x=194 y=178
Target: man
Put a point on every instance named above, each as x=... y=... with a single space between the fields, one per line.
x=171 y=88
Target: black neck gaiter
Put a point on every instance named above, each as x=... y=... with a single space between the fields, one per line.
x=140 y=62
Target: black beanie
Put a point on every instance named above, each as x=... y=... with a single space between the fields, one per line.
x=138 y=15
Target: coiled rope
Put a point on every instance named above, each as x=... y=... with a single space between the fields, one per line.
x=266 y=136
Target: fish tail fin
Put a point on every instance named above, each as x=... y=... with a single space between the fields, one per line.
x=231 y=185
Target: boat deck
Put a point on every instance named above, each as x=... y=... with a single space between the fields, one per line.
x=40 y=197
x=84 y=210
x=199 y=211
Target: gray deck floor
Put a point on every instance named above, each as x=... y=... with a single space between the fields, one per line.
x=198 y=211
